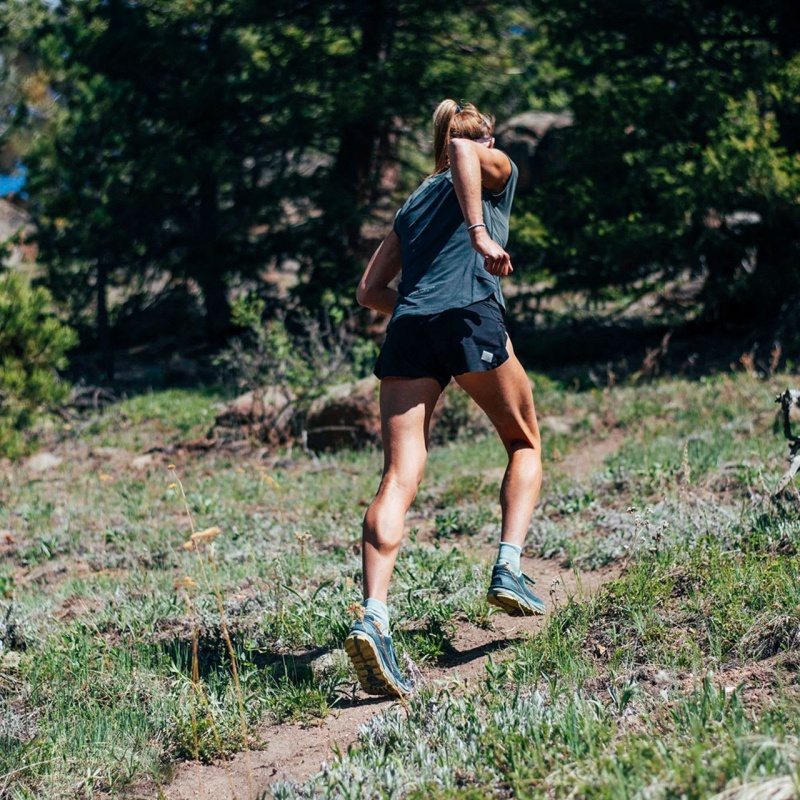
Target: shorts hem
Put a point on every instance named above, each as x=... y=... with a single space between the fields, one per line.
x=501 y=359
x=440 y=379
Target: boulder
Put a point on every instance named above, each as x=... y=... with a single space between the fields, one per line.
x=264 y=414
x=534 y=142
x=347 y=415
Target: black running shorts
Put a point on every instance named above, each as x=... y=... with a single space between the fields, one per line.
x=459 y=340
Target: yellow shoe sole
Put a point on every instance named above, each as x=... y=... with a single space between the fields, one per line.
x=511 y=605
x=368 y=667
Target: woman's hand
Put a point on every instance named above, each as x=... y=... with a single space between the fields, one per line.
x=495 y=260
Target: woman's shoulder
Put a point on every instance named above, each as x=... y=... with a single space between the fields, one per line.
x=432 y=185
x=508 y=190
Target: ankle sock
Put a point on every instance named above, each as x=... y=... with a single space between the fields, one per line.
x=509 y=554
x=379 y=611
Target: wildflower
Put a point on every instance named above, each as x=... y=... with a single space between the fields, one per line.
x=356 y=610
x=208 y=533
x=106 y=478
x=173 y=486
x=270 y=480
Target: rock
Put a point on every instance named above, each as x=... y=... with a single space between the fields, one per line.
x=42 y=462
x=556 y=424
x=533 y=141
x=16 y=220
x=143 y=462
x=329 y=663
x=265 y=414
x=11 y=661
x=348 y=415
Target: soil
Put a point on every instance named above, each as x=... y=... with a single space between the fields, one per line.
x=589 y=458
x=295 y=752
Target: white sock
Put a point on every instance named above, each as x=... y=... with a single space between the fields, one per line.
x=509 y=554
x=379 y=611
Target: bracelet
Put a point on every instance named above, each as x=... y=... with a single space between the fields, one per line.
x=475 y=225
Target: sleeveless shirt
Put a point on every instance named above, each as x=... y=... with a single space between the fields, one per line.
x=440 y=269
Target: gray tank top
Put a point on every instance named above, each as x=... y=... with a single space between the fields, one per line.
x=440 y=268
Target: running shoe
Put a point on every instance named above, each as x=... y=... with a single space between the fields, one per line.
x=511 y=593
x=372 y=654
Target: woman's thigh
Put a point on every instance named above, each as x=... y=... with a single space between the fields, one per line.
x=406 y=408
x=505 y=395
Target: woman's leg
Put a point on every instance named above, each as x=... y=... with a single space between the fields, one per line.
x=505 y=395
x=406 y=408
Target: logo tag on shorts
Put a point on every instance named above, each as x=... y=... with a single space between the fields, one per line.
x=487 y=356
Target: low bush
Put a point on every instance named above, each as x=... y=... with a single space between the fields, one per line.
x=33 y=346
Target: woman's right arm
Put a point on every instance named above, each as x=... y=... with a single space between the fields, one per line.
x=373 y=289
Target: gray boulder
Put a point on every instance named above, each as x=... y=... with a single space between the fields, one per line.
x=534 y=141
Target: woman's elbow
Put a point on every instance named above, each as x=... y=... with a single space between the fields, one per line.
x=362 y=295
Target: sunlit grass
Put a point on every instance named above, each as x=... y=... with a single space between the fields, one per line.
x=103 y=655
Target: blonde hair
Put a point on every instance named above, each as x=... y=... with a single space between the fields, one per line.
x=454 y=121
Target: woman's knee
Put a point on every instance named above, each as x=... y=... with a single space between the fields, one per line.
x=402 y=484
x=519 y=434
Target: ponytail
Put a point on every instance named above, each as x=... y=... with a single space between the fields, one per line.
x=453 y=121
x=442 y=122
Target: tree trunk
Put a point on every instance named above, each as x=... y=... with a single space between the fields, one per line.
x=215 y=298
x=210 y=257
x=360 y=138
x=104 y=345
x=357 y=164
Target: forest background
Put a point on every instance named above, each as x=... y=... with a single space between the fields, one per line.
x=191 y=189
x=180 y=155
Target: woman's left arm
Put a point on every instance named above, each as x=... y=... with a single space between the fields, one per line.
x=373 y=289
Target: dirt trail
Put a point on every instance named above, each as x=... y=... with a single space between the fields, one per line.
x=291 y=752
x=591 y=457
x=294 y=752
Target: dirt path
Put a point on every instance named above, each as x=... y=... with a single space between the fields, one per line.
x=587 y=459
x=292 y=752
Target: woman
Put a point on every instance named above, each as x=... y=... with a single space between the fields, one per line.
x=447 y=321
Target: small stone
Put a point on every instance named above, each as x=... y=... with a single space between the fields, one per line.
x=328 y=663
x=11 y=661
x=561 y=425
x=143 y=461
x=662 y=677
x=41 y=462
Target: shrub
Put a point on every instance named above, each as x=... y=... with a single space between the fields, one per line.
x=33 y=345
x=302 y=356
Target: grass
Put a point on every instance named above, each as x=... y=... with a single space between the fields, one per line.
x=677 y=680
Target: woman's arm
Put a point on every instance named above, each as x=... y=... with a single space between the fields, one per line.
x=475 y=166
x=373 y=289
